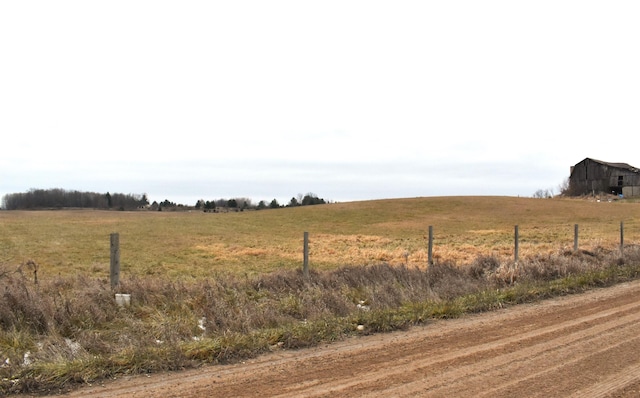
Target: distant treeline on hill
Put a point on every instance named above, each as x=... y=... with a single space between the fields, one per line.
x=59 y=198
x=240 y=204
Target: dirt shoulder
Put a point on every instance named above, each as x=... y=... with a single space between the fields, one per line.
x=581 y=345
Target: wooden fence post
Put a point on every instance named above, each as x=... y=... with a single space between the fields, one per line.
x=575 y=238
x=621 y=238
x=305 y=264
x=115 y=260
x=430 y=250
x=515 y=252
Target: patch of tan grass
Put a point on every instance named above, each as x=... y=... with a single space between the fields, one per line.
x=196 y=244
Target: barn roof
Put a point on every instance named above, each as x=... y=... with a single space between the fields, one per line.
x=624 y=166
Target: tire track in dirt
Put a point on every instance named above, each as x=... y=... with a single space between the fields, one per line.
x=583 y=345
x=612 y=384
x=508 y=360
x=484 y=360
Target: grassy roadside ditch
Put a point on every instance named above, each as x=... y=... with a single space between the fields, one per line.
x=68 y=331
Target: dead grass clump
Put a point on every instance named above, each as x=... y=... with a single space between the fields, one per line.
x=87 y=308
x=381 y=285
x=283 y=280
x=21 y=306
x=484 y=266
x=552 y=266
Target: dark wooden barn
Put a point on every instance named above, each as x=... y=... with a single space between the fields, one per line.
x=593 y=177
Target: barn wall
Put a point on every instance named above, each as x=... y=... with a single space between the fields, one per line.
x=590 y=176
x=631 y=191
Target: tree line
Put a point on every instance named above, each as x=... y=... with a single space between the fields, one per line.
x=246 y=203
x=57 y=198
x=306 y=200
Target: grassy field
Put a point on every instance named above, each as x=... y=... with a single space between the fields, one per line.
x=216 y=288
x=197 y=244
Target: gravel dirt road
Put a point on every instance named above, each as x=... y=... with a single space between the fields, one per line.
x=585 y=345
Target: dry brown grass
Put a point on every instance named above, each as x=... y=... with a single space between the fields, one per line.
x=239 y=276
x=68 y=330
x=195 y=245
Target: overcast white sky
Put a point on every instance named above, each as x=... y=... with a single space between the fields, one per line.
x=350 y=100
